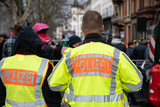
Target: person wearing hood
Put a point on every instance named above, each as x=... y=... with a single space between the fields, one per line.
x=73 y=42
x=117 y=43
x=25 y=73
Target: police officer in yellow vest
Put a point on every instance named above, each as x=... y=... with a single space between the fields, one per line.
x=95 y=74
x=24 y=74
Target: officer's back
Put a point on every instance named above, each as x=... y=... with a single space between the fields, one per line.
x=24 y=74
x=95 y=74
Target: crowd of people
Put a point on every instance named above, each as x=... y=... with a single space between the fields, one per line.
x=92 y=72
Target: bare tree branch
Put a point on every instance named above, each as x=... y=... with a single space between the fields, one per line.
x=43 y=11
x=27 y=12
x=11 y=8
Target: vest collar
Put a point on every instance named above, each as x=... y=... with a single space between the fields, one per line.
x=93 y=37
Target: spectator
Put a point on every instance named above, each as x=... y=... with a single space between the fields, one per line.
x=73 y=42
x=109 y=39
x=57 y=51
x=139 y=50
x=9 y=44
x=130 y=50
x=41 y=30
x=134 y=43
x=117 y=42
x=3 y=38
x=104 y=37
x=25 y=74
x=95 y=74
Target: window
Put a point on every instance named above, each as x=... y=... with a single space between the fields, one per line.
x=116 y=12
x=106 y=12
x=81 y=18
x=141 y=4
x=74 y=12
x=135 y=3
x=110 y=11
x=74 y=18
x=150 y=2
x=103 y=14
x=119 y=10
x=74 y=27
x=129 y=7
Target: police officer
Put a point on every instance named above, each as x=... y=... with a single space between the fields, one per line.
x=24 y=74
x=95 y=74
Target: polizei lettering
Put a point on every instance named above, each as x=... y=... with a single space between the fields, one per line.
x=92 y=65
x=18 y=77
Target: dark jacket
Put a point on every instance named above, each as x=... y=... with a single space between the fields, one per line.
x=48 y=49
x=139 y=51
x=27 y=43
x=116 y=42
x=2 y=93
x=1 y=48
x=130 y=52
x=57 y=53
x=93 y=37
x=2 y=87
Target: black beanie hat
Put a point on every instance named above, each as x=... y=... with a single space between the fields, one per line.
x=74 y=39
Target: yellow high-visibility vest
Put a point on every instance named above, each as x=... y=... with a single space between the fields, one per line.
x=67 y=50
x=95 y=75
x=23 y=77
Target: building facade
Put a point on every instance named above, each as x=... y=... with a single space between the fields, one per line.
x=107 y=13
x=77 y=13
x=144 y=16
x=96 y=5
x=118 y=16
x=136 y=18
x=87 y=6
x=59 y=30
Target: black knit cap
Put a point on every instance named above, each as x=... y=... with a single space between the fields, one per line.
x=74 y=39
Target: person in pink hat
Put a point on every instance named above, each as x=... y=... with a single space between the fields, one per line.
x=41 y=30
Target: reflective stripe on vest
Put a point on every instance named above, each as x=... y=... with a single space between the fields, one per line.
x=71 y=71
x=1 y=75
x=29 y=104
x=94 y=98
x=126 y=103
x=58 y=87
x=114 y=70
x=37 y=86
x=91 y=74
x=134 y=87
x=39 y=80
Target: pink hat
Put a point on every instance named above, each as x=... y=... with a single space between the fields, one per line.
x=44 y=37
x=40 y=26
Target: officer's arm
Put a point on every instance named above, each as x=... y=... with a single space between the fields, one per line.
x=51 y=97
x=130 y=76
x=60 y=77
